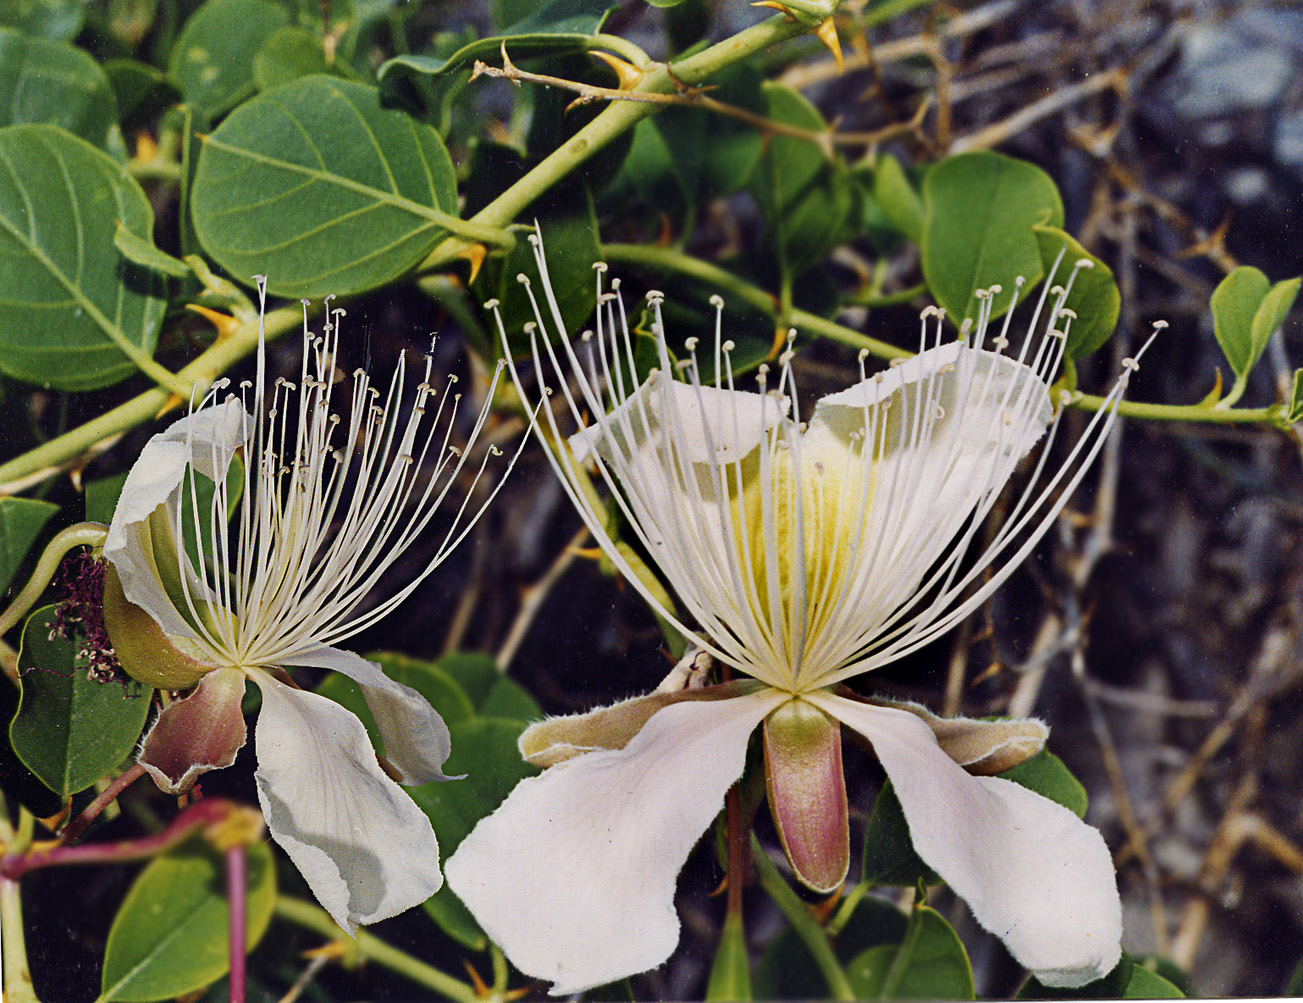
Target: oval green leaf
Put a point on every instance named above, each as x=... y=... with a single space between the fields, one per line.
x=897 y=197
x=53 y=19
x=21 y=522
x=212 y=61
x=1094 y=296
x=76 y=317
x=170 y=937
x=929 y=964
x=555 y=26
x=805 y=196
x=69 y=730
x=1234 y=304
x=978 y=211
x=53 y=82
x=316 y=185
x=288 y=54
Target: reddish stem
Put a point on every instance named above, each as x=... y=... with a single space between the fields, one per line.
x=73 y=830
x=739 y=850
x=197 y=816
x=237 y=901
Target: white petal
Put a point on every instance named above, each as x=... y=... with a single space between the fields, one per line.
x=573 y=876
x=1031 y=872
x=156 y=479
x=366 y=851
x=415 y=737
x=707 y=423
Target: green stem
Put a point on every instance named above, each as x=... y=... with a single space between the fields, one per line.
x=805 y=925
x=194 y=377
x=1184 y=412
x=84 y=534
x=16 y=980
x=614 y=120
x=314 y=918
x=668 y=259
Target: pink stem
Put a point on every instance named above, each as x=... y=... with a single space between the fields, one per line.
x=236 y=898
x=79 y=824
x=197 y=816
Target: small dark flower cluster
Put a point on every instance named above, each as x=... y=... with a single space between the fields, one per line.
x=81 y=579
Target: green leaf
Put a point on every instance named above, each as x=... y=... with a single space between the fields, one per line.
x=1147 y=985
x=805 y=197
x=58 y=20
x=101 y=497
x=1294 y=410
x=571 y=246
x=930 y=963
x=889 y=857
x=1273 y=310
x=730 y=972
x=53 y=82
x=491 y=693
x=1094 y=296
x=289 y=53
x=1045 y=774
x=170 y=937
x=556 y=26
x=1235 y=304
x=318 y=186
x=72 y=304
x=979 y=209
x=897 y=197
x=21 y=522
x=212 y=61
x=683 y=156
x=142 y=252
x=69 y=730
x=485 y=748
x=142 y=91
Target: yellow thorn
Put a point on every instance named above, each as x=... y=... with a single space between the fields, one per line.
x=628 y=74
x=477 y=981
x=173 y=402
x=589 y=553
x=475 y=254
x=780 y=342
x=226 y=325
x=827 y=34
x=774 y=5
x=1215 y=394
x=146 y=148
x=335 y=950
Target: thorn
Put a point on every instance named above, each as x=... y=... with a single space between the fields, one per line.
x=628 y=74
x=720 y=889
x=827 y=34
x=477 y=982
x=780 y=342
x=173 y=402
x=1215 y=394
x=822 y=911
x=775 y=5
x=666 y=237
x=475 y=254
x=225 y=324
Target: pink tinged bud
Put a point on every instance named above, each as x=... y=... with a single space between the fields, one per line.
x=200 y=732
x=807 y=793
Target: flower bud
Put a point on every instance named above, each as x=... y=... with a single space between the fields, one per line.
x=146 y=652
